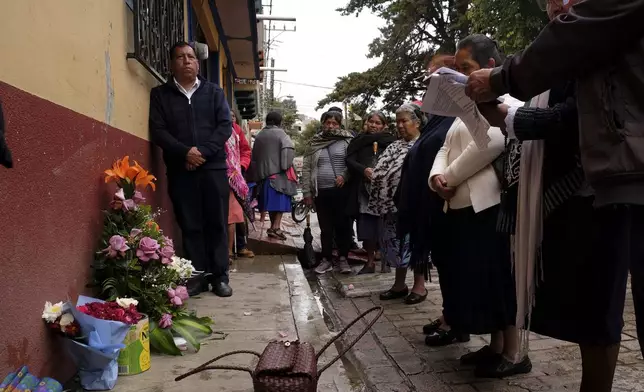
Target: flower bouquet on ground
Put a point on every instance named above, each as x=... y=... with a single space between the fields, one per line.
x=96 y=330
x=136 y=260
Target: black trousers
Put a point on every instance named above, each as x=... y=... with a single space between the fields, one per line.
x=618 y=247
x=200 y=201
x=334 y=222
x=240 y=233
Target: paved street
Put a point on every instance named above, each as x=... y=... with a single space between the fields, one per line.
x=272 y=301
x=394 y=357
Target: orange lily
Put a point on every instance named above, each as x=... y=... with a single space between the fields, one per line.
x=144 y=178
x=118 y=171
x=153 y=225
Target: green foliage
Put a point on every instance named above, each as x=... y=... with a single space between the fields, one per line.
x=304 y=138
x=513 y=23
x=416 y=30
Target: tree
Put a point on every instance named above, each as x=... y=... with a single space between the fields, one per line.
x=303 y=139
x=416 y=30
x=513 y=23
x=288 y=108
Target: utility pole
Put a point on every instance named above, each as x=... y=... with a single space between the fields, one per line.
x=273 y=83
x=346 y=116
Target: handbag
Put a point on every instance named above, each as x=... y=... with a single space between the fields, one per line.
x=288 y=366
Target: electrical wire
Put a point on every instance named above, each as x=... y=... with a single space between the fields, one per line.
x=304 y=84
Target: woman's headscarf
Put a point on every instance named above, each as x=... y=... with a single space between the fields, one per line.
x=324 y=138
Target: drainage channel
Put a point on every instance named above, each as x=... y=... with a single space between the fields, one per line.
x=352 y=373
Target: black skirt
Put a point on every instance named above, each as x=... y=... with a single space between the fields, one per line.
x=476 y=275
x=564 y=287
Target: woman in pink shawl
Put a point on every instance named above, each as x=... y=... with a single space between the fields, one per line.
x=238 y=188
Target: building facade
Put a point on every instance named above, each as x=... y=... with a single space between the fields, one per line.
x=74 y=83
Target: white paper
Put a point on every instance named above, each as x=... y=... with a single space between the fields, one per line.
x=445 y=96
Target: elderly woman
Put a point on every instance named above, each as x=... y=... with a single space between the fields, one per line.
x=478 y=295
x=324 y=174
x=384 y=183
x=272 y=169
x=362 y=153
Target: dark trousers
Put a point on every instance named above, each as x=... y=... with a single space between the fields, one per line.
x=333 y=221
x=200 y=201
x=619 y=247
x=240 y=233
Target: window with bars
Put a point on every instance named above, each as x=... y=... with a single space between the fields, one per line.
x=158 y=24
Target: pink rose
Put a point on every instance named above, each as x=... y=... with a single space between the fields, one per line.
x=147 y=250
x=117 y=246
x=176 y=301
x=166 y=254
x=167 y=241
x=138 y=197
x=182 y=292
x=166 y=321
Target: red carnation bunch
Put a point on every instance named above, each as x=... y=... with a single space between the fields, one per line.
x=111 y=311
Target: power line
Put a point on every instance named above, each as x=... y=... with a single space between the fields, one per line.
x=305 y=84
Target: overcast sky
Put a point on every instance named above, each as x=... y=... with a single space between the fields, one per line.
x=325 y=46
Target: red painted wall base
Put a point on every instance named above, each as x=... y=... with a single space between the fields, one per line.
x=50 y=218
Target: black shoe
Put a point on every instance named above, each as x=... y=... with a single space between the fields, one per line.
x=195 y=285
x=432 y=327
x=480 y=357
x=390 y=294
x=503 y=368
x=205 y=283
x=222 y=289
x=413 y=298
x=445 y=338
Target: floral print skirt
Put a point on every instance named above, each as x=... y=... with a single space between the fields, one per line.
x=397 y=256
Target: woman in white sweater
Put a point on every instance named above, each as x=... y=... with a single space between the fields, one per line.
x=477 y=283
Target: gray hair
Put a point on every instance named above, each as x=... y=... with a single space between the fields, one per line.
x=414 y=113
x=483 y=49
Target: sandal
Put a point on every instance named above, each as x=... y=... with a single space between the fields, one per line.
x=413 y=298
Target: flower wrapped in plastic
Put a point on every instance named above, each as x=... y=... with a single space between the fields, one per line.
x=96 y=359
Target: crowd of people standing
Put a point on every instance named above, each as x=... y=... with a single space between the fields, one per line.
x=511 y=228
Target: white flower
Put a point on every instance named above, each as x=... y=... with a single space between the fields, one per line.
x=52 y=312
x=182 y=266
x=65 y=320
x=126 y=302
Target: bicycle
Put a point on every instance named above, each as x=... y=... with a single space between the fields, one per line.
x=300 y=210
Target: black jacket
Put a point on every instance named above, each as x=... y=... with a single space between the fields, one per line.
x=5 y=154
x=600 y=43
x=178 y=124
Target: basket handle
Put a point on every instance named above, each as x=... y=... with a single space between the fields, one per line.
x=344 y=330
x=205 y=366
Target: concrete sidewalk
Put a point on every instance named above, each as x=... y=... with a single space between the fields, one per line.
x=394 y=358
x=272 y=301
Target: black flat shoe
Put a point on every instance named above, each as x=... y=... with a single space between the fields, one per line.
x=222 y=289
x=444 y=338
x=432 y=327
x=413 y=298
x=503 y=368
x=480 y=357
x=367 y=270
x=390 y=294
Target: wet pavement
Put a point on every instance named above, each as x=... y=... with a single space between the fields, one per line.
x=394 y=358
x=272 y=301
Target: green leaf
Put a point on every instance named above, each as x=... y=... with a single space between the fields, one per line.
x=186 y=333
x=161 y=340
x=199 y=326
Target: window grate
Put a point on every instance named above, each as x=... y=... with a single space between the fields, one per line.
x=158 y=24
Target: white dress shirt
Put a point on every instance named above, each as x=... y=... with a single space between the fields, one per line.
x=188 y=93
